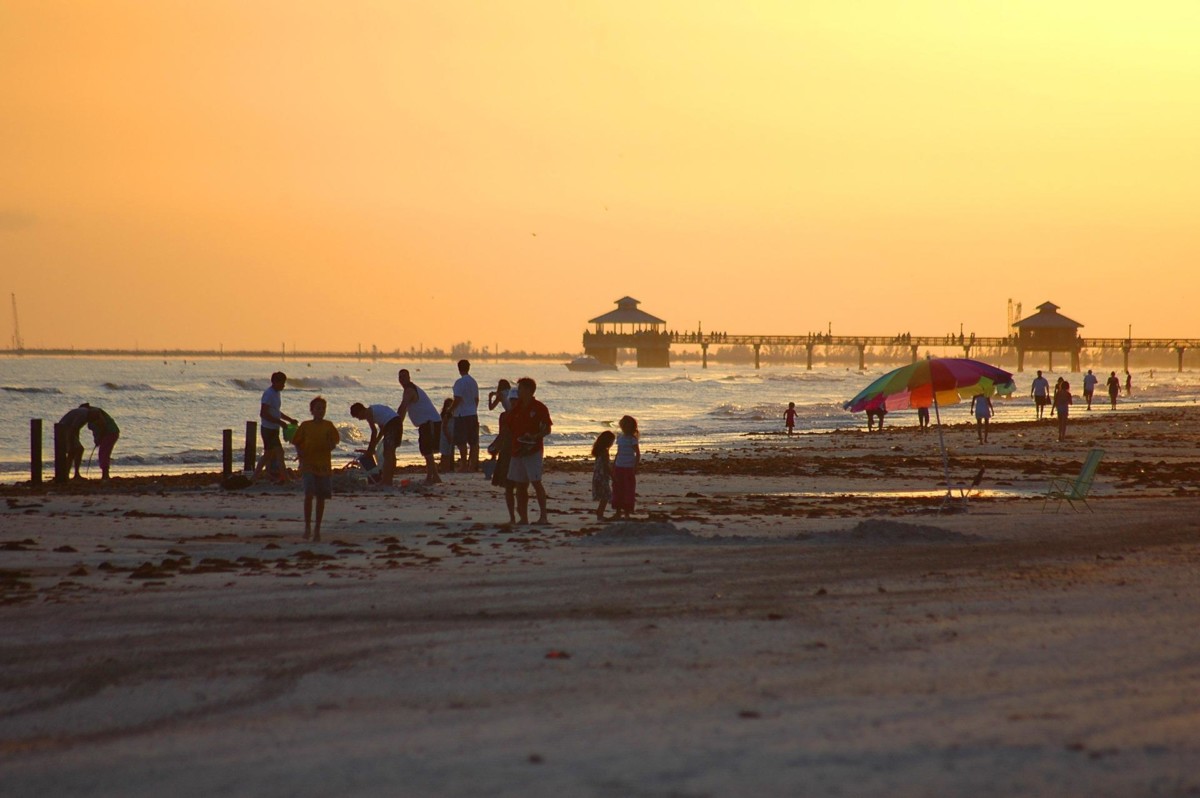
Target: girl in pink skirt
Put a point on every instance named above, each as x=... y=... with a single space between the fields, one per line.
x=629 y=457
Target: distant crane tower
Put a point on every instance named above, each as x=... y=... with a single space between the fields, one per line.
x=18 y=343
x=1014 y=315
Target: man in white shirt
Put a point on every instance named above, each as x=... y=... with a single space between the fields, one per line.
x=1040 y=391
x=465 y=410
x=386 y=426
x=421 y=413
x=271 y=418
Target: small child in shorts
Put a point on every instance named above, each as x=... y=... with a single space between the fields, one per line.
x=314 y=442
x=602 y=472
x=789 y=417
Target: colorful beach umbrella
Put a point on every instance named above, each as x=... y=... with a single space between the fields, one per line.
x=933 y=382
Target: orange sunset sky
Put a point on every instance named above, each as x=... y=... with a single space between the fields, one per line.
x=328 y=174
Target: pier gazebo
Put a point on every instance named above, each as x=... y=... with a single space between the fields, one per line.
x=629 y=327
x=1048 y=331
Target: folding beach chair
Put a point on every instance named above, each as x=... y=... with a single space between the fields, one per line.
x=964 y=490
x=1077 y=491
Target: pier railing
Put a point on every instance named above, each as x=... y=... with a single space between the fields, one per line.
x=966 y=343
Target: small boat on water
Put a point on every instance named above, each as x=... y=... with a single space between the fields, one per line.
x=588 y=363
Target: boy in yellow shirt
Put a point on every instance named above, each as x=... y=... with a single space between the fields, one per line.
x=314 y=442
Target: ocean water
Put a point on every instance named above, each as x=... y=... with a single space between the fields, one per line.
x=172 y=412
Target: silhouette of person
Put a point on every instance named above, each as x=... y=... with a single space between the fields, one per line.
x=1089 y=387
x=1040 y=391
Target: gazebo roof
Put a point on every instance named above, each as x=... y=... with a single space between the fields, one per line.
x=1047 y=318
x=626 y=313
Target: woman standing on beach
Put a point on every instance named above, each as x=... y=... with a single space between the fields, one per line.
x=1062 y=404
x=629 y=457
x=981 y=406
x=1114 y=387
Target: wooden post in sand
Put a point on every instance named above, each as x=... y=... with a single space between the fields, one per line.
x=251 y=448
x=35 y=451
x=61 y=466
x=226 y=453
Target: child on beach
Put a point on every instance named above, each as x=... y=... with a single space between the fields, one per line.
x=314 y=442
x=602 y=472
x=789 y=417
x=446 y=442
x=629 y=457
x=1062 y=403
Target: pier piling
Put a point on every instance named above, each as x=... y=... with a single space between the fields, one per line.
x=35 y=451
x=61 y=466
x=226 y=453
x=251 y=447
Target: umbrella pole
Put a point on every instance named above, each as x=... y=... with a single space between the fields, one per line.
x=942 y=442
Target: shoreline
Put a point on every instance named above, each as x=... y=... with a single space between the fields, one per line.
x=760 y=628
x=757 y=453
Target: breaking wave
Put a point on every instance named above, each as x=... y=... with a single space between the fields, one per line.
x=24 y=389
x=134 y=386
x=730 y=410
x=185 y=457
x=298 y=383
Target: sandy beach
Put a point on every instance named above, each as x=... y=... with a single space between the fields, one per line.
x=789 y=617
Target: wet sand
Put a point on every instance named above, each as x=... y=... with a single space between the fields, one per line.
x=790 y=617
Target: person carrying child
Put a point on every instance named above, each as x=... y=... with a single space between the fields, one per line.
x=629 y=457
x=530 y=423
x=501 y=448
x=315 y=441
x=602 y=472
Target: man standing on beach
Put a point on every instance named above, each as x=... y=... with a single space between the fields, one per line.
x=70 y=426
x=1089 y=387
x=1040 y=391
x=271 y=418
x=425 y=417
x=530 y=423
x=465 y=410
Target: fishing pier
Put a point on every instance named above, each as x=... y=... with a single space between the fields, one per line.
x=1047 y=331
